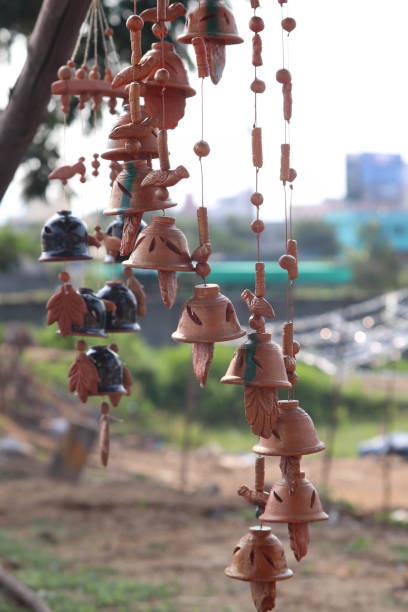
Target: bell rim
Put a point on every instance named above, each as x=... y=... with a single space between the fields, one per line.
x=179 y=338
x=263 y=450
x=136 y=156
x=92 y=333
x=125 y=329
x=236 y=380
x=44 y=258
x=285 y=575
x=185 y=268
x=134 y=211
x=119 y=389
x=188 y=91
x=299 y=518
x=229 y=39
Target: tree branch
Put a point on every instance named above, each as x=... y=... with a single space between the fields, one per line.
x=50 y=46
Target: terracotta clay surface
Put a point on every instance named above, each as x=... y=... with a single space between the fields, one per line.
x=117 y=150
x=259 y=557
x=261 y=410
x=128 y=197
x=263 y=595
x=203 y=353
x=168 y=286
x=258 y=362
x=63 y=173
x=83 y=375
x=66 y=307
x=295 y=433
x=299 y=536
x=161 y=246
x=302 y=507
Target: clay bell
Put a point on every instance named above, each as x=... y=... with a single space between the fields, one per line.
x=211 y=19
x=177 y=88
x=64 y=238
x=302 y=507
x=128 y=197
x=110 y=371
x=115 y=228
x=117 y=150
x=258 y=362
x=259 y=557
x=295 y=433
x=161 y=246
x=123 y=318
x=94 y=321
x=208 y=316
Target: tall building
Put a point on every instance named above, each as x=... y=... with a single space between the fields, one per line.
x=375 y=178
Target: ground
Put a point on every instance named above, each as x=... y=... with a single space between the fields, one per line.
x=128 y=539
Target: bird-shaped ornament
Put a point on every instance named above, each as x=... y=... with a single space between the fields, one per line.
x=63 y=173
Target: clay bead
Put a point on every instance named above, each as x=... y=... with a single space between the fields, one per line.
x=159 y=29
x=108 y=32
x=256 y=24
x=258 y=86
x=64 y=277
x=80 y=74
x=134 y=23
x=288 y=24
x=257 y=226
x=257 y=198
x=81 y=345
x=292 y=175
x=283 y=76
x=161 y=193
x=162 y=76
x=203 y=269
x=201 y=148
x=64 y=73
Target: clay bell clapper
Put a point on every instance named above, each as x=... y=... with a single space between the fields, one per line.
x=94 y=321
x=110 y=371
x=301 y=506
x=208 y=316
x=161 y=246
x=259 y=557
x=64 y=238
x=128 y=197
x=122 y=319
x=258 y=362
x=115 y=229
x=295 y=433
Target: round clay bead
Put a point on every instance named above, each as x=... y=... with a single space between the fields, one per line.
x=134 y=23
x=161 y=193
x=258 y=86
x=296 y=347
x=257 y=226
x=257 y=198
x=80 y=73
x=108 y=32
x=159 y=29
x=292 y=175
x=201 y=148
x=81 y=345
x=162 y=76
x=203 y=269
x=288 y=24
x=256 y=24
x=114 y=347
x=71 y=63
x=283 y=76
x=64 y=277
x=64 y=73
x=84 y=67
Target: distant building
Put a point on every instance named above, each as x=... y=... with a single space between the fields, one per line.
x=238 y=205
x=374 y=178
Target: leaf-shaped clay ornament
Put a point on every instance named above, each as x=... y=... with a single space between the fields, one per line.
x=67 y=308
x=83 y=377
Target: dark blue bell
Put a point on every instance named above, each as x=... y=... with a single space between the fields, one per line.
x=123 y=319
x=95 y=319
x=109 y=368
x=116 y=229
x=64 y=238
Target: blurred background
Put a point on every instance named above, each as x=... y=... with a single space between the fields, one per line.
x=155 y=530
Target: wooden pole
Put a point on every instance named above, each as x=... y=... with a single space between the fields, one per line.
x=49 y=46
x=21 y=592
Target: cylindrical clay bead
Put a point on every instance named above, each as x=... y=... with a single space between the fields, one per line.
x=260 y=279
x=163 y=150
x=134 y=101
x=285 y=162
x=287 y=339
x=203 y=230
x=257 y=50
x=161 y=10
x=201 y=57
x=287 y=101
x=260 y=474
x=257 y=158
x=291 y=249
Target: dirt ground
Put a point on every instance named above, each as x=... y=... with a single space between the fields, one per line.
x=132 y=518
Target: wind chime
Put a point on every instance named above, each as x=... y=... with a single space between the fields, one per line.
x=261 y=366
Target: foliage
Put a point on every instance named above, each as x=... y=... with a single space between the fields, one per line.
x=376 y=266
x=316 y=238
x=14 y=245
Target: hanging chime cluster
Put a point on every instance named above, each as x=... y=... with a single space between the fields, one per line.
x=284 y=429
x=139 y=136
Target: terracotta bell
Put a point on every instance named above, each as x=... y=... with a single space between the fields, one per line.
x=295 y=433
x=115 y=228
x=117 y=150
x=259 y=557
x=94 y=321
x=64 y=238
x=258 y=362
x=110 y=371
x=161 y=246
x=128 y=197
x=211 y=19
x=177 y=88
x=123 y=319
x=302 y=507
x=208 y=316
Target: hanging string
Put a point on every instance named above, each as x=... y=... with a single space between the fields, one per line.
x=110 y=38
x=88 y=37
x=81 y=33
x=103 y=37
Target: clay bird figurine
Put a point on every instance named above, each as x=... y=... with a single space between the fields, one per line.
x=111 y=243
x=63 y=173
x=174 y=11
x=165 y=178
x=135 y=130
x=258 y=306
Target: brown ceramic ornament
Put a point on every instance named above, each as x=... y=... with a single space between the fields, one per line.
x=294 y=434
x=261 y=409
x=63 y=173
x=259 y=557
x=66 y=307
x=136 y=288
x=104 y=434
x=117 y=149
x=83 y=375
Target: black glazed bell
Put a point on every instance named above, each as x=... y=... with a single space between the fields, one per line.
x=109 y=368
x=95 y=319
x=123 y=319
x=116 y=229
x=64 y=238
